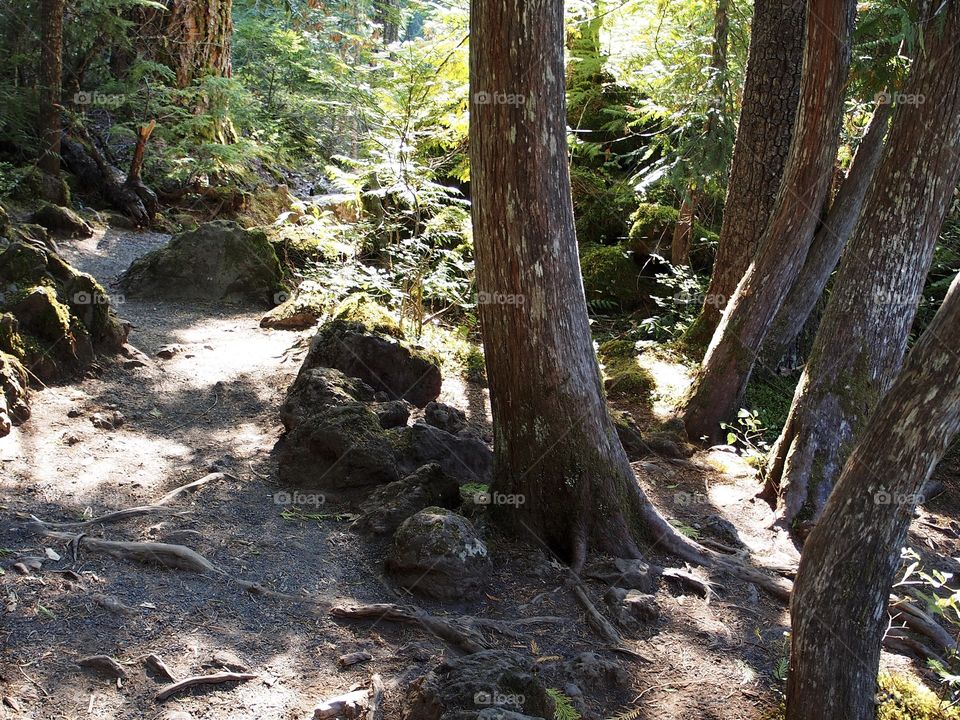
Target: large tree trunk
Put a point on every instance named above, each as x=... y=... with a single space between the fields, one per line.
x=192 y=38
x=771 y=93
x=848 y=564
x=829 y=241
x=736 y=343
x=51 y=72
x=556 y=447
x=864 y=332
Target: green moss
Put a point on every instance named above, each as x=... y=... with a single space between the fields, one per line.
x=475 y=365
x=363 y=309
x=21 y=263
x=902 y=698
x=611 y=276
x=651 y=229
x=623 y=376
x=771 y=398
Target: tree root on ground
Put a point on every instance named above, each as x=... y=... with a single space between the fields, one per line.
x=196 y=680
x=194 y=486
x=112 y=517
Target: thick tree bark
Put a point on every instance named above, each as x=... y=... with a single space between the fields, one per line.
x=864 y=332
x=51 y=72
x=556 y=447
x=683 y=230
x=783 y=248
x=771 y=94
x=850 y=559
x=192 y=38
x=829 y=241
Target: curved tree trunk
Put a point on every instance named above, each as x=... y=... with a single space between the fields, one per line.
x=849 y=561
x=771 y=93
x=51 y=71
x=556 y=447
x=734 y=348
x=864 y=332
x=829 y=241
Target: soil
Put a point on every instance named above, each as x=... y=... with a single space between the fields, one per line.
x=213 y=406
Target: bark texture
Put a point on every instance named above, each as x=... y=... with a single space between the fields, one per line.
x=554 y=441
x=51 y=73
x=732 y=352
x=829 y=241
x=864 y=331
x=771 y=94
x=192 y=38
x=849 y=561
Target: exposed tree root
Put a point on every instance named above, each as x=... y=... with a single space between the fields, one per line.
x=112 y=517
x=196 y=680
x=176 y=556
x=193 y=486
x=155 y=663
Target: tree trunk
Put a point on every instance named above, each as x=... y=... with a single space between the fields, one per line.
x=735 y=345
x=51 y=72
x=829 y=241
x=683 y=230
x=771 y=93
x=192 y=38
x=848 y=564
x=556 y=448
x=864 y=332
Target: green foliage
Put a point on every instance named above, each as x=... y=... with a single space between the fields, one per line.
x=623 y=376
x=748 y=432
x=563 y=708
x=611 y=279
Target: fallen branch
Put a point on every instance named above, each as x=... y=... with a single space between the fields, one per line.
x=154 y=662
x=196 y=680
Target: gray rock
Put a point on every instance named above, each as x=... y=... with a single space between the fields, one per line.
x=393 y=413
x=725 y=530
x=624 y=573
x=218 y=261
x=14 y=382
x=595 y=672
x=467 y=458
x=632 y=606
x=483 y=686
x=438 y=553
x=388 y=506
x=385 y=363
x=445 y=417
x=319 y=387
x=61 y=221
x=338 y=447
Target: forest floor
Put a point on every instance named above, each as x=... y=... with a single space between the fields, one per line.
x=213 y=406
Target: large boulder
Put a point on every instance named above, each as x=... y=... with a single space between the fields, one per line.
x=387 y=507
x=218 y=261
x=463 y=456
x=438 y=553
x=485 y=684
x=61 y=221
x=445 y=417
x=338 y=448
x=13 y=393
x=319 y=387
x=298 y=311
x=383 y=362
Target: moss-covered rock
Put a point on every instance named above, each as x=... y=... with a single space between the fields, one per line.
x=399 y=369
x=14 y=382
x=623 y=375
x=218 y=261
x=363 y=309
x=902 y=698
x=610 y=276
x=651 y=233
x=32 y=184
x=602 y=206
x=4 y=220
x=61 y=221
x=300 y=311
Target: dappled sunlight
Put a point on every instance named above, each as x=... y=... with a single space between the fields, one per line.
x=673 y=380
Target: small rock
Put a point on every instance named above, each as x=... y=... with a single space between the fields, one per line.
x=226 y=660
x=725 y=530
x=107 y=421
x=595 y=672
x=388 y=506
x=354 y=659
x=70 y=438
x=624 y=573
x=61 y=220
x=351 y=706
x=21 y=568
x=168 y=351
x=103 y=664
x=392 y=414
x=74 y=413
x=439 y=554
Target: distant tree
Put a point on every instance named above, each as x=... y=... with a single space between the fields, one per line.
x=864 y=332
x=554 y=440
x=771 y=92
x=730 y=357
x=51 y=76
x=848 y=564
